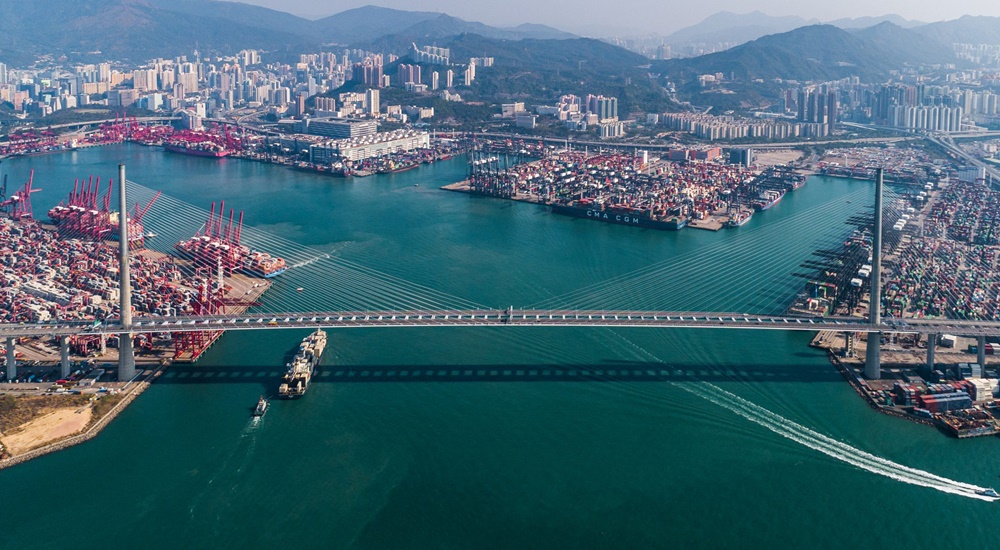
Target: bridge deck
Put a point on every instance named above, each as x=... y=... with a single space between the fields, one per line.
x=551 y=318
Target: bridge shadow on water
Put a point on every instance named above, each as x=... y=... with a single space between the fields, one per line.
x=606 y=371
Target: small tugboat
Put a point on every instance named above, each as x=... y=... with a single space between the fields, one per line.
x=261 y=407
x=991 y=492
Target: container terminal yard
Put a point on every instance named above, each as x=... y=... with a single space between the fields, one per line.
x=69 y=271
x=383 y=153
x=632 y=190
x=940 y=261
x=901 y=164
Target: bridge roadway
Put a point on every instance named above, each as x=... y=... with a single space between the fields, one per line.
x=510 y=317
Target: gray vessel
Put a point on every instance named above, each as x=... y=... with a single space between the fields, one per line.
x=296 y=380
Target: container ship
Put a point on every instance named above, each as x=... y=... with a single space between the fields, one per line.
x=339 y=169
x=620 y=216
x=739 y=218
x=217 y=246
x=261 y=264
x=300 y=371
x=768 y=199
x=197 y=149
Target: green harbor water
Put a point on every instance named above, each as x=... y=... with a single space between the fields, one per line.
x=501 y=438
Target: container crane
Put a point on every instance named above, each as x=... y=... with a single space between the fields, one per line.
x=18 y=206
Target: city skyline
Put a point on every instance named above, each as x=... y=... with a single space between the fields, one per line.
x=664 y=18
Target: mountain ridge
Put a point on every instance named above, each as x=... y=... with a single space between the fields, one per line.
x=814 y=53
x=146 y=29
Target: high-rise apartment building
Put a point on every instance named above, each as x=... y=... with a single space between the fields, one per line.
x=408 y=74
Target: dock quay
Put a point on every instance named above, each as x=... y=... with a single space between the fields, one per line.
x=899 y=391
x=940 y=257
x=66 y=270
x=632 y=190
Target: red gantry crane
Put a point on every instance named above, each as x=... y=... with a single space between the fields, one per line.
x=18 y=206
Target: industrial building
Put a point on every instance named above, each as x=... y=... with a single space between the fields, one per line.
x=338 y=128
x=377 y=145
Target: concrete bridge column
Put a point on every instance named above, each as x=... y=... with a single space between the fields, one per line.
x=11 y=360
x=873 y=356
x=64 y=366
x=981 y=349
x=931 y=344
x=126 y=357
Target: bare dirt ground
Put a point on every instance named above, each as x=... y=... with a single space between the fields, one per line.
x=48 y=427
x=778 y=156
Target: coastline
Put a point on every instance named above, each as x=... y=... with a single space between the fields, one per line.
x=139 y=386
x=858 y=385
x=716 y=221
x=900 y=369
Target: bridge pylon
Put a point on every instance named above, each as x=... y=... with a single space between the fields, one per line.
x=873 y=370
x=126 y=356
x=64 y=364
x=11 y=359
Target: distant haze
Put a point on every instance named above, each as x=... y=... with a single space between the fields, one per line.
x=657 y=16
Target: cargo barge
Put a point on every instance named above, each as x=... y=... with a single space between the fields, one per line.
x=296 y=380
x=968 y=423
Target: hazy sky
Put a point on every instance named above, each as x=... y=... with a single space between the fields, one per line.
x=662 y=16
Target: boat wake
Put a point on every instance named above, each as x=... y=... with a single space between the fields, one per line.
x=827 y=445
x=309 y=261
x=241 y=455
x=819 y=442
x=248 y=442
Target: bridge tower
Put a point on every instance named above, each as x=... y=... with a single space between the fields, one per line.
x=932 y=340
x=873 y=369
x=126 y=356
x=11 y=359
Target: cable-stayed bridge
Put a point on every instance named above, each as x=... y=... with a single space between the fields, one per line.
x=355 y=296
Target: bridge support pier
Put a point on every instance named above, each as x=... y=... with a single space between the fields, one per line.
x=64 y=356
x=126 y=357
x=981 y=349
x=873 y=357
x=931 y=344
x=11 y=360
